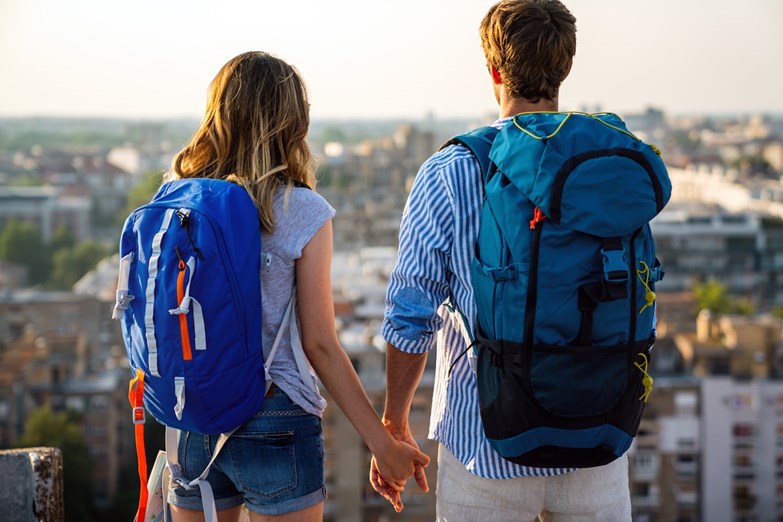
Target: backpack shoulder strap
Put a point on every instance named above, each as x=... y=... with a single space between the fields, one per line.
x=478 y=142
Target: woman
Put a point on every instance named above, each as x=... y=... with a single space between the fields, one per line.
x=254 y=133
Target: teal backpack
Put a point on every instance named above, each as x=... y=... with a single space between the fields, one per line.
x=564 y=274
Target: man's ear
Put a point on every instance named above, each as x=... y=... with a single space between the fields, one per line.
x=568 y=71
x=495 y=75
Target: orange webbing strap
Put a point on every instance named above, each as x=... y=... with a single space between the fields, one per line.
x=136 y=398
x=183 y=319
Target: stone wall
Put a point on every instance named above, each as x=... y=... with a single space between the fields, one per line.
x=31 y=485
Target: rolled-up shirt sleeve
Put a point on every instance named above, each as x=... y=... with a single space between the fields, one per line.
x=418 y=282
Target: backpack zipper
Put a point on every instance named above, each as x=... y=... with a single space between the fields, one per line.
x=184 y=219
x=184 y=334
x=226 y=261
x=572 y=163
x=632 y=276
x=536 y=224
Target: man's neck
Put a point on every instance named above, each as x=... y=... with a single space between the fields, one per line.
x=510 y=106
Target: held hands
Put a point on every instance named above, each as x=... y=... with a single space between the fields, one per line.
x=390 y=469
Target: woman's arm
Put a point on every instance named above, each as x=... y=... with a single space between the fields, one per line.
x=396 y=460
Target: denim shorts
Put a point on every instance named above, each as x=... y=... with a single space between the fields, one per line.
x=274 y=463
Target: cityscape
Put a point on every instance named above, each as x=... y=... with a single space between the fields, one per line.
x=710 y=446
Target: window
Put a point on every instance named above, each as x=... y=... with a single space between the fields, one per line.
x=685 y=402
x=641 y=489
x=744 y=430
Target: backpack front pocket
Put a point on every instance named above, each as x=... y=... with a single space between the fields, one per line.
x=590 y=379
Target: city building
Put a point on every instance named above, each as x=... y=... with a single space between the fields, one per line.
x=46 y=209
x=742 y=449
x=710 y=445
x=61 y=350
x=744 y=250
x=664 y=458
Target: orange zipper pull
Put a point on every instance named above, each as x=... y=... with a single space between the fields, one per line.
x=538 y=216
x=187 y=354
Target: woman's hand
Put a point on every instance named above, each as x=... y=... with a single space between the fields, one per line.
x=389 y=471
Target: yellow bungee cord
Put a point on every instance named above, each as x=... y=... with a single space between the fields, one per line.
x=644 y=277
x=647 y=381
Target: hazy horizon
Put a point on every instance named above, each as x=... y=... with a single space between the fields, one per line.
x=382 y=60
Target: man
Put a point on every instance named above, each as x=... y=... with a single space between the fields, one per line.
x=529 y=46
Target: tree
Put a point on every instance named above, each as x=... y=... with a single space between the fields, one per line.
x=62 y=238
x=743 y=306
x=62 y=430
x=141 y=194
x=332 y=133
x=70 y=264
x=752 y=164
x=712 y=296
x=21 y=243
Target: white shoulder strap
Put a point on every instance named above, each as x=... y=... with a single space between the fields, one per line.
x=172 y=459
x=273 y=351
x=296 y=344
x=289 y=319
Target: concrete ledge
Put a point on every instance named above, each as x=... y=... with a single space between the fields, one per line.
x=31 y=485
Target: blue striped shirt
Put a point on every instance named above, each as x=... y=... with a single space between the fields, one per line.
x=439 y=227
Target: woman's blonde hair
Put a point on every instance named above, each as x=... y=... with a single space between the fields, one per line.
x=253 y=132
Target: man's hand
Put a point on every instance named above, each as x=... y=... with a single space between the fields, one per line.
x=404 y=435
x=403 y=373
x=387 y=490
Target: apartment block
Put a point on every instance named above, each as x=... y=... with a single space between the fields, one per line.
x=46 y=209
x=61 y=350
x=742 y=455
x=709 y=449
x=664 y=458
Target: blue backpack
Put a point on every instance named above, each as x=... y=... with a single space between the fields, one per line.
x=564 y=274
x=189 y=300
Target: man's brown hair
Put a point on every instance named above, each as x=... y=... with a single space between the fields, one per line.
x=531 y=43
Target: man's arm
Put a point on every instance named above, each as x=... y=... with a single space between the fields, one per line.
x=417 y=286
x=403 y=374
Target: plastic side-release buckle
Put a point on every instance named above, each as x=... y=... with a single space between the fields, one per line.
x=615 y=266
x=656 y=274
x=139 y=415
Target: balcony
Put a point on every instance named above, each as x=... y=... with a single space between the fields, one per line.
x=645 y=501
x=643 y=470
x=647 y=440
x=686 y=499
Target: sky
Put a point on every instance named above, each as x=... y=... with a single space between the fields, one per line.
x=152 y=59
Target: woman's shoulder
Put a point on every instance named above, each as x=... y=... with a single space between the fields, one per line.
x=302 y=201
x=299 y=214
x=307 y=194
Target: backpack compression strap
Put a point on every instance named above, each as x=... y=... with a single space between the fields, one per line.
x=136 y=398
x=478 y=142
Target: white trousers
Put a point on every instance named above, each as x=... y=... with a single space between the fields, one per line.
x=586 y=495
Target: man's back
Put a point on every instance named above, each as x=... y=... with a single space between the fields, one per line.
x=529 y=46
x=437 y=237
